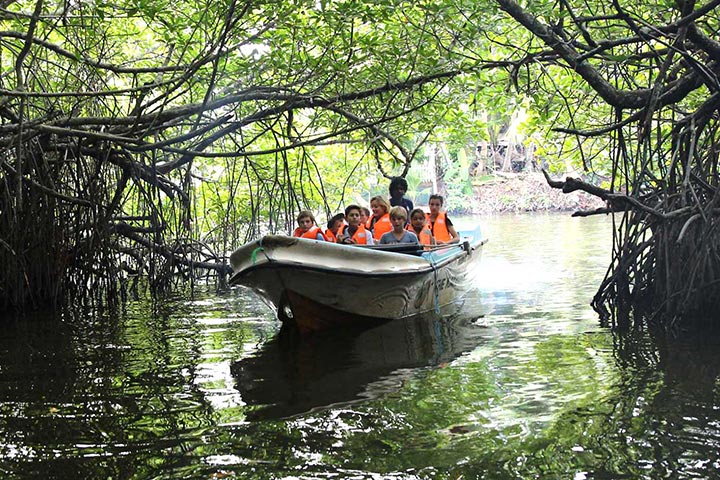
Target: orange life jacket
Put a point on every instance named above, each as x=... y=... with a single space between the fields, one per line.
x=382 y=225
x=330 y=236
x=311 y=233
x=439 y=228
x=424 y=237
x=360 y=236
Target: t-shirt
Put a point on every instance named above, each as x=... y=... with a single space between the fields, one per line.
x=389 y=238
x=404 y=202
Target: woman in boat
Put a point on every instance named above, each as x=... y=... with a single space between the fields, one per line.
x=398 y=218
x=307 y=228
x=333 y=226
x=440 y=225
x=418 y=225
x=354 y=233
x=379 y=223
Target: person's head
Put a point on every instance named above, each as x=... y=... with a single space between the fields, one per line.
x=364 y=214
x=334 y=223
x=379 y=206
x=435 y=203
x=353 y=215
x=398 y=187
x=305 y=220
x=417 y=219
x=398 y=217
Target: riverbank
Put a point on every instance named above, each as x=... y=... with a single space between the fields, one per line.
x=526 y=192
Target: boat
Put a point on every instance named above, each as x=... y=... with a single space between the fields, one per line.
x=316 y=285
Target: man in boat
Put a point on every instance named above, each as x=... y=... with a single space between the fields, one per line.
x=398 y=187
x=307 y=228
x=398 y=218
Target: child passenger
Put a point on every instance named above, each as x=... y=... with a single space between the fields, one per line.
x=379 y=223
x=364 y=215
x=398 y=218
x=307 y=228
x=333 y=226
x=418 y=227
x=354 y=233
x=440 y=225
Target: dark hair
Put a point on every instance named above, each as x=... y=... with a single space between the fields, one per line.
x=435 y=196
x=396 y=183
x=335 y=218
x=416 y=210
x=352 y=207
x=366 y=211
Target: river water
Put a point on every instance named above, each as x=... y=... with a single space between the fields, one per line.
x=521 y=382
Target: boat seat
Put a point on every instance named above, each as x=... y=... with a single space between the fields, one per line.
x=406 y=248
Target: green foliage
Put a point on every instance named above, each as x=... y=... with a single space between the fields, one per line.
x=218 y=121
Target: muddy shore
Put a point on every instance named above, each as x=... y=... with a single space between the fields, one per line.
x=527 y=192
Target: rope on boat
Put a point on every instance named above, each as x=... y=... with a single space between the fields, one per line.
x=253 y=255
x=435 y=281
x=438 y=337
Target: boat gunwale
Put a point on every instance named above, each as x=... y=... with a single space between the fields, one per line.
x=431 y=266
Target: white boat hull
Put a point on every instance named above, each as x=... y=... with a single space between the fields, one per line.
x=302 y=278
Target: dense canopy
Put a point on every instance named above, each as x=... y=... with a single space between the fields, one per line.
x=149 y=137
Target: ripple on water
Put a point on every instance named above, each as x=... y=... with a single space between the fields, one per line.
x=522 y=384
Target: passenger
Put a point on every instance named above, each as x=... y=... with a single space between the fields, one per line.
x=365 y=216
x=380 y=220
x=307 y=228
x=333 y=225
x=440 y=225
x=398 y=218
x=418 y=225
x=398 y=187
x=354 y=233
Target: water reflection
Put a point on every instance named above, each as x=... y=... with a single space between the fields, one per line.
x=532 y=389
x=293 y=374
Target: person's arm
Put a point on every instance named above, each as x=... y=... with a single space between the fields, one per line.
x=369 y=240
x=320 y=236
x=454 y=237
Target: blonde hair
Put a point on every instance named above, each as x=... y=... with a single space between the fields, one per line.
x=381 y=200
x=398 y=212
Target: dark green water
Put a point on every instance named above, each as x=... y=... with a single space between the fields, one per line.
x=521 y=383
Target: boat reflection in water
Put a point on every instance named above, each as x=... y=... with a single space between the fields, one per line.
x=294 y=374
